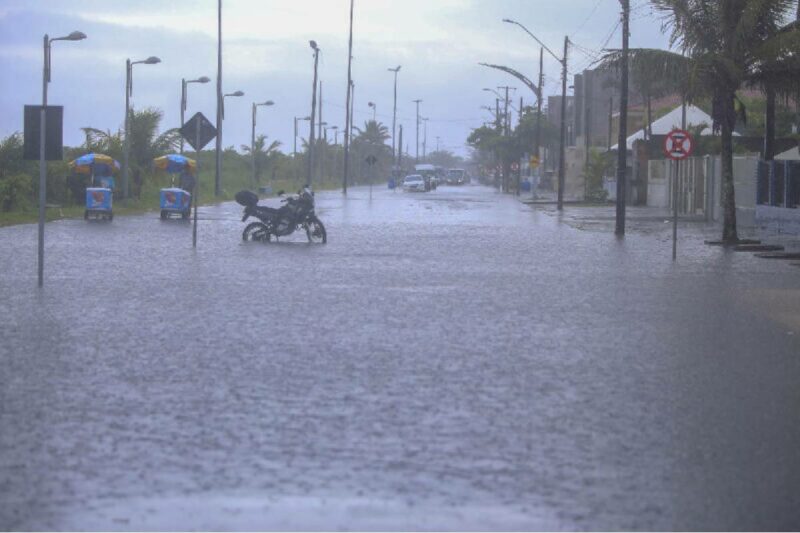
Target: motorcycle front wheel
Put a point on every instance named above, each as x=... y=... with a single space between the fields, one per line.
x=316 y=231
x=257 y=232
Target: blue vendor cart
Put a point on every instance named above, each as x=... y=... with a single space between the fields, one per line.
x=99 y=194
x=177 y=201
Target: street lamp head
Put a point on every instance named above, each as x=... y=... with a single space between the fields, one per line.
x=313 y=45
x=268 y=102
x=76 y=36
x=371 y=104
x=237 y=93
x=509 y=21
x=152 y=60
x=203 y=79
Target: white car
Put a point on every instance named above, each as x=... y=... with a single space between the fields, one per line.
x=414 y=183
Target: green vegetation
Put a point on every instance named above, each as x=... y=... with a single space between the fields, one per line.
x=492 y=148
x=19 y=179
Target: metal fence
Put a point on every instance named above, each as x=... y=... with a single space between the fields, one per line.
x=778 y=184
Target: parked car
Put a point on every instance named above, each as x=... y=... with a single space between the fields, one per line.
x=414 y=183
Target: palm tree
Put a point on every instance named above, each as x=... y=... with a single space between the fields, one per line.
x=146 y=143
x=374 y=133
x=725 y=45
x=263 y=154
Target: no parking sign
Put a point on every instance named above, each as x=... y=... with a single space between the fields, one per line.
x=678 y=145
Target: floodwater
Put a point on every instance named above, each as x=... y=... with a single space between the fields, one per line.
x=449 y=360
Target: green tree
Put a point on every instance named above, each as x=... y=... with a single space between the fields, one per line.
x=725 y=45
x=264 y=155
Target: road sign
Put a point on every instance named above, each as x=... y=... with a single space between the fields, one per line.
x=371 y=160
x=53 y=145
x=198 y=131
x=678 y=145
x=534 y=161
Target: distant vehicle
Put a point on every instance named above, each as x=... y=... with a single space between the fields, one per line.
x=456 y=176
x=428 y=173
x=414 y=183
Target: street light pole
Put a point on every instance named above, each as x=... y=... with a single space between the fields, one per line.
x=74 y=36
x=563 y=135
x=220 y=104
x=374 y=109
x=184 y=98
x=394 y=116
x=348 y=124
x=417 y=151
x=310 y=177
x=538 y=138
x=253 y=137
x=126 y=145
x=425 y=138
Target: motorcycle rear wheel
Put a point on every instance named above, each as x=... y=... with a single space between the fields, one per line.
x=257 y=232
x=316 y=231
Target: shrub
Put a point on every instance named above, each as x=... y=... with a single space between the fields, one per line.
x=14 y=191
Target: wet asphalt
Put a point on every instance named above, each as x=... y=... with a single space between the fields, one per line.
x=449 y=360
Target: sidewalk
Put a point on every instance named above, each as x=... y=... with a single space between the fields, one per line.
x=650 y=221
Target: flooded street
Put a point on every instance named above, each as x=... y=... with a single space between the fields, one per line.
x=449 y=360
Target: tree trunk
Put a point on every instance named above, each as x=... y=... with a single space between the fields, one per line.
x=729 y=233
x=769 y=125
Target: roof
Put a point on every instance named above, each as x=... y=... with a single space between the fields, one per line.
x=792 y=154
x=672 y=120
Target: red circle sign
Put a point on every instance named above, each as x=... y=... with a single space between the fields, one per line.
x=678 y=145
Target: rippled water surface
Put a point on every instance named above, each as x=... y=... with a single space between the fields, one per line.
x=450 y=360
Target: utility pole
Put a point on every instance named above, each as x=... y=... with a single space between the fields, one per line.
x=562 y=149
x=347 y=124
x=622 y=146
x=417 y=152
x=218 y=151
x=506 y=116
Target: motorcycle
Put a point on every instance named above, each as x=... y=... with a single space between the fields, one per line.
x=296 y=213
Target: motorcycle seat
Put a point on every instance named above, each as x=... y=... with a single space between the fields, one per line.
x=264 y=210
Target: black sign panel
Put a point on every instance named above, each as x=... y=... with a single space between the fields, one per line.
x=53 y=135
x=198 y=131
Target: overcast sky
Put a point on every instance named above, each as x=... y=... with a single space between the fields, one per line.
x=439 y=44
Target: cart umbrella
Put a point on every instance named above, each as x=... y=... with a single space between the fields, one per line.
x=175 y=163
x=92 y=163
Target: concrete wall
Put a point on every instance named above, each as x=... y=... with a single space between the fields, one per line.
x=708 y=172
x=783 y=219
x=574 y=180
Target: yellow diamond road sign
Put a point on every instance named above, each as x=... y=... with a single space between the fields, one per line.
x=534 y=161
